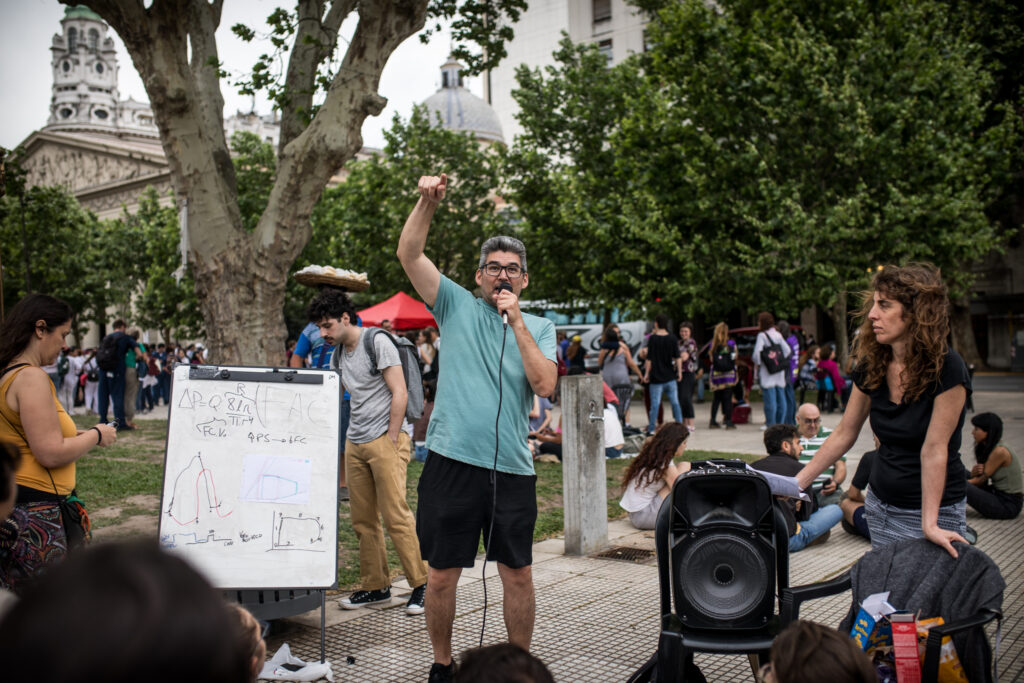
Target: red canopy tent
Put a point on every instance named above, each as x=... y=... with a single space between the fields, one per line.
x=404 y=312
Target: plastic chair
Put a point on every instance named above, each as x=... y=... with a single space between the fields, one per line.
x=724 y=516
x=920 y=576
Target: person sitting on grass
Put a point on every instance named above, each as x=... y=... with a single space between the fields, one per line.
x=807 y=524
x=995 y=488
x=649 y=478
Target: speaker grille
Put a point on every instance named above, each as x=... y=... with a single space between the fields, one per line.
x=723 y=577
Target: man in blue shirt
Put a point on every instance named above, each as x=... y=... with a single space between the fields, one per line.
x=456 y=486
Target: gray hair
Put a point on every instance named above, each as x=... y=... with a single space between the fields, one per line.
x=503 y=243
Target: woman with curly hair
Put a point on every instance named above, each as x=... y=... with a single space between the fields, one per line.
x=914 y=388
x=995 y=488
x=649 y=478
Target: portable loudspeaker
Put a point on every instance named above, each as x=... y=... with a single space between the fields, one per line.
x=722 y=547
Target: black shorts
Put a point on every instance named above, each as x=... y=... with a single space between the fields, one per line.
x=454 y=509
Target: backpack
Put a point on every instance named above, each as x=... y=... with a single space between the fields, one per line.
x=410 y=368
x=772 y=357
x=63 y=365
x=106 y=355
x=722 y=361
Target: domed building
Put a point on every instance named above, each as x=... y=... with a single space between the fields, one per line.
x=461 y=110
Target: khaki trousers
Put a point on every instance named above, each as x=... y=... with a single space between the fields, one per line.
x=376 y=486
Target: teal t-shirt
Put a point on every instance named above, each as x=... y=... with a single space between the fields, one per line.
x=462 y=424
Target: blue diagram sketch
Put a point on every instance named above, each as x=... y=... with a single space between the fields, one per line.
x=179 y=539
x=276 y=479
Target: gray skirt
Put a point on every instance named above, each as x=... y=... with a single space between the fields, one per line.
x=889 y=523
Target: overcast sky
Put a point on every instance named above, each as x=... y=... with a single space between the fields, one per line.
x=27 y=28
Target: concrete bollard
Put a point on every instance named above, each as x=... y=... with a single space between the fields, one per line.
x=584 y=486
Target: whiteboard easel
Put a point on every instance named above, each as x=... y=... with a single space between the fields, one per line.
x=250 y=493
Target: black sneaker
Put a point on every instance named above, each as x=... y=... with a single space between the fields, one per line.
x=442 y=673
x=416 y=600
x=714 y=425
x=366 y=598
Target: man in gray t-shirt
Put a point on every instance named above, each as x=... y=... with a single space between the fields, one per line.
x=377 y=451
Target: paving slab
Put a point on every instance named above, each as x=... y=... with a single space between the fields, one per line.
x=597 y=619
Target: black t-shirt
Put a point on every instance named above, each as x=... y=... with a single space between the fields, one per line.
x=124 y=342
x=662 y=350
x=787 y=466
x=863 y=474
x=901 y=429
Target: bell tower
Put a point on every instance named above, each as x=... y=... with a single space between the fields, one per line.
x=84 y=72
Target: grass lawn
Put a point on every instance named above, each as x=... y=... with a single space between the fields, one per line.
x=124 y=481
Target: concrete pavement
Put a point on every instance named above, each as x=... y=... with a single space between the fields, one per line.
x=597 y=619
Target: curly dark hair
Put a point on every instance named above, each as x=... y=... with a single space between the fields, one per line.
x=775 y=435
x=920 y=290
x=656 y=454
x=330 y=302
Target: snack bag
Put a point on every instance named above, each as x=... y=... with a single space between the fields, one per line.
x=950 y=669
x=869 y=629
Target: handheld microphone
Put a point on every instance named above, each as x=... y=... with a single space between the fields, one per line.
x=504 y=287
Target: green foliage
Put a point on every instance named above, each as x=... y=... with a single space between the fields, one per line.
x=561 y=176
x=255 y=173
x=162 y=301
x=763 y=143
x=480 y=29
x=356 y=225
x=811 y=143
x=50 y=244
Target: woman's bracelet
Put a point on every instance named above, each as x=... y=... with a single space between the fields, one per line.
x=99 y=436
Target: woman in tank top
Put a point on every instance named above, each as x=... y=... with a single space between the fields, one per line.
x=34 y=421
x=995 y=489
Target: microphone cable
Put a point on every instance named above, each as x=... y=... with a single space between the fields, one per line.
x=494 y=483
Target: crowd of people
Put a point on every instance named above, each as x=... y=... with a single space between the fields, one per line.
x=140 y=382
x=497 y=381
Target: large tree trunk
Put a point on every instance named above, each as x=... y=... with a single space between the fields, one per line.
x=240 y=276
x=837 y=313
x=963 y=331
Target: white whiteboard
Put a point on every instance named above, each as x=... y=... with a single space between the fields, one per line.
x=250 y=494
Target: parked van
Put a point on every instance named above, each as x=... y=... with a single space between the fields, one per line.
x=632 y=333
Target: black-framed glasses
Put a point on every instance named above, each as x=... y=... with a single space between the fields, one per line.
x=811 y=420
x=513 y=270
